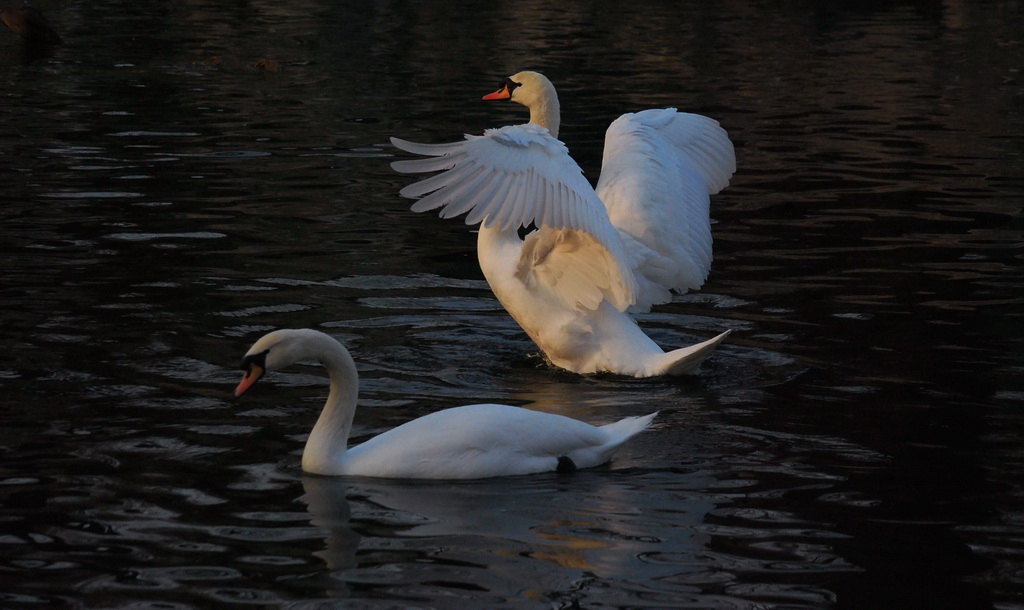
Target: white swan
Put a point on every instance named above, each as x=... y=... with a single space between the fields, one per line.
x=469 y=442
x=644 y=233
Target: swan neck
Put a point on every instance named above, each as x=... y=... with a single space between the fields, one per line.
x=328 y=440
x=545 y=112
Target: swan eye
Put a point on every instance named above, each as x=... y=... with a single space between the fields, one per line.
x=511 y=85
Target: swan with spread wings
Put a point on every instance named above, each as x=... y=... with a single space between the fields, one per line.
x=596 y=254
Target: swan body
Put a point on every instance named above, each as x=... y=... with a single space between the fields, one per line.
x=596 y=255
x=469 y=442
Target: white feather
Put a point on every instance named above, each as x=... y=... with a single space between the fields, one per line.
x=644 y=233
x=469 y=442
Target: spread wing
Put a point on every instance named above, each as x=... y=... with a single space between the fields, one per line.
x=660 y=167
x=518 y=175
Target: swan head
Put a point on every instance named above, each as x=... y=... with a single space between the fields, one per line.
x=527 y=88
x=535 y=91
x=275 y=351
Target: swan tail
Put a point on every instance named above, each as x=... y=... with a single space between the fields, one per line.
x=626 y=428
x=617 y=433
x=686 y=360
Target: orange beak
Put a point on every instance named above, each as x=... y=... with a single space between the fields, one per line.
x=500 y=94
x=252 y=375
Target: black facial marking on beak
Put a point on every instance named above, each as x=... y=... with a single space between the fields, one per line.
x=254 y=366
x=511 y=85
x=259 y=360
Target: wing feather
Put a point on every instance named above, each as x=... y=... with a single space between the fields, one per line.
x=429 y=164
x=490 y=199
x=467 y=184
x=518 y=175
x=518 y=198
x=518 y=150
x=430 y=150
x=418 y=189
x=660 y=167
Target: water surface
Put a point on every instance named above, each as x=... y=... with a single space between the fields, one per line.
x=179 y=179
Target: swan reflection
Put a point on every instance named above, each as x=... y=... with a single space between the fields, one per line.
x=325 y=498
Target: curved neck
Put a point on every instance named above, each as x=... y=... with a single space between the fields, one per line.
x=328 y=440
x=546 y=113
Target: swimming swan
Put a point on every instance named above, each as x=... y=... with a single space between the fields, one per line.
x=469 y=442
x=643 y=233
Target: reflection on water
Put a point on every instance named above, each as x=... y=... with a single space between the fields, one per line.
x=180 y=179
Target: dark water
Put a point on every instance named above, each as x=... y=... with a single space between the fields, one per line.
x=167 y=197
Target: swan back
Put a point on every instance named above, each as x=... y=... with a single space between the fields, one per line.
x=487 y=440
